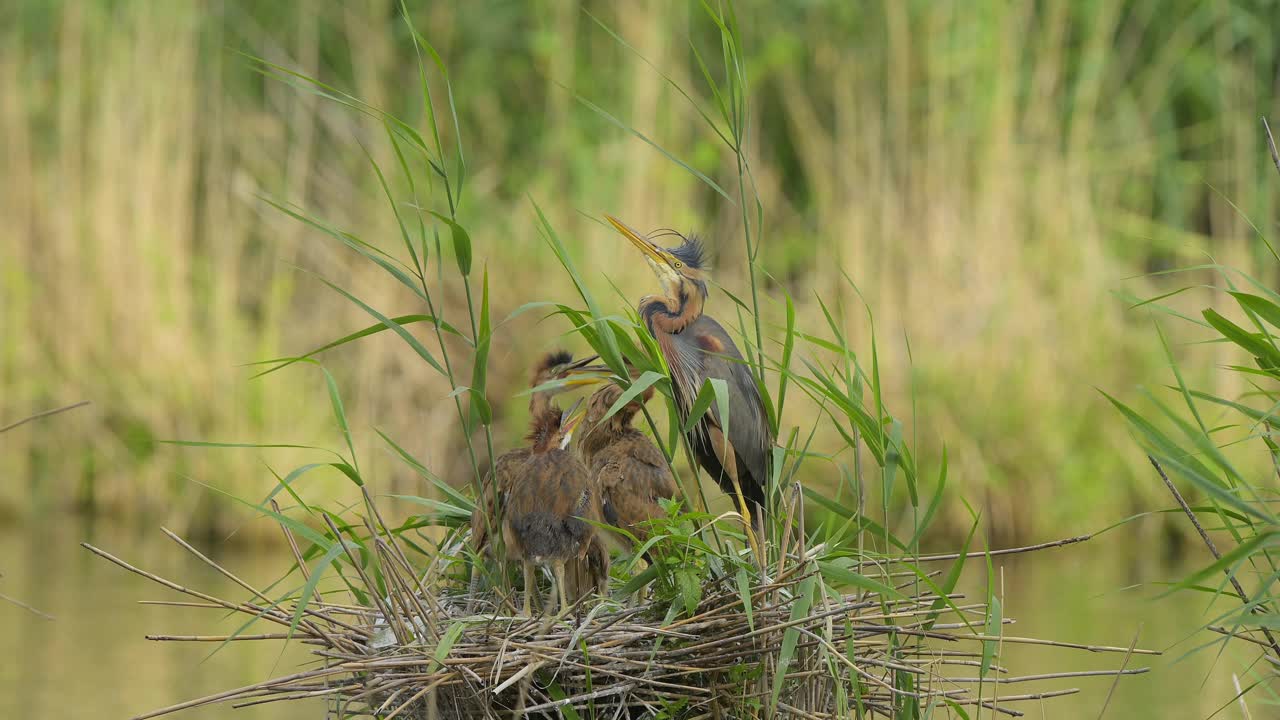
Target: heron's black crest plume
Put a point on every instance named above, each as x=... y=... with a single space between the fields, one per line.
x=691 y=252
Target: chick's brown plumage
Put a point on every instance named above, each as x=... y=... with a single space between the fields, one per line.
x=547 y=509
x=507 y=468
x=628 y=468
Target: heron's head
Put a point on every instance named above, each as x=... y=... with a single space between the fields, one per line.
x=560 y=365
x=552 y=428
x=684 y=264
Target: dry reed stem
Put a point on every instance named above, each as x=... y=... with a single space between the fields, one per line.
x=44 y=414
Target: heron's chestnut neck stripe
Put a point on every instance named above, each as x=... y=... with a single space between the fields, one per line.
x=673 y=315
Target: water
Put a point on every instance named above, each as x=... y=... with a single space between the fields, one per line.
x=93 y=662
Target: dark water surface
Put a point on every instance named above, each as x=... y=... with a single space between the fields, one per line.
x=92 y=661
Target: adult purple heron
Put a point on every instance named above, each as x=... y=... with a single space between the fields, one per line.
x=697 y=349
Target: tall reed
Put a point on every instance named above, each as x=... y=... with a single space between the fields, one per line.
x=985 y=173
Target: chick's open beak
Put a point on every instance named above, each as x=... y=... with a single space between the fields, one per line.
x=569 y=421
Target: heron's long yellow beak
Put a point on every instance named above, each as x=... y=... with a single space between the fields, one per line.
x=648 y=248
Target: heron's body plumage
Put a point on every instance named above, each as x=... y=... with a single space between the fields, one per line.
x=703 y=351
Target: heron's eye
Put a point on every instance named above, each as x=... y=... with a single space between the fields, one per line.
x=678 y=265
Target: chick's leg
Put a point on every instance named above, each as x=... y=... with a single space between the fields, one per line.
x=529 y=586
x=558 y=568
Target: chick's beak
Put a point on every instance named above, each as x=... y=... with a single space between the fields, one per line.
x=581 y=374
x=574 y=373
x=569 y=421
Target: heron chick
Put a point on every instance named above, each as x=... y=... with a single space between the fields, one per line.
x=551 y=506
x=625 y=464
x=553 y=366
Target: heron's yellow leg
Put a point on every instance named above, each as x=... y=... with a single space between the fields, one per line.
x=729 y=462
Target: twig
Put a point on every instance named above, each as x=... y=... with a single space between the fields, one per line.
x=293 y=544
x=1244 y=598
x=1123 y=665
x=217 y=638
x=1053 y=676
x=616 y=690
x=25 y=606
x=1235 y=679
x=1271 y=144
x=44 y=414
x=1008 y=551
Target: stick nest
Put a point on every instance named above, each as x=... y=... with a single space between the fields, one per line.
x=416 y=651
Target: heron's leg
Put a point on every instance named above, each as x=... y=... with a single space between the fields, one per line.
x=729 y=462
x=529 y=585
x=473 y=587
x=557 y=567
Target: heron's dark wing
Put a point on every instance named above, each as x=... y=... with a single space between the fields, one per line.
x=749 y=429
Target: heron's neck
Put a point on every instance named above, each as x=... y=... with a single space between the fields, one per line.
x=539 y=403
x=544 y=431
x=672 y=315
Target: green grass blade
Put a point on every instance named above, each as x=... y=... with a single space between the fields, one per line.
x=665 y=153
x=444 y=487
x=461 y=242
x=841 y=575
x=408 y=337
x=481 y=413
x=641 y=384
x=1253 y=343
x=282 y=363
x=308 y=590
x=799 y=609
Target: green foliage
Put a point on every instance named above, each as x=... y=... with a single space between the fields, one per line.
x=692 y=548
x=1232 y=464
x=981 y=210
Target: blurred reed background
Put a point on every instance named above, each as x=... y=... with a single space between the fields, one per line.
x=993 y=176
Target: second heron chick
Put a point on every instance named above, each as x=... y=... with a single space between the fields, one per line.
x=550 y=509
x=630 y=471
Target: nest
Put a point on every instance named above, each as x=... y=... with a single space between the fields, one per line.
x=421 y=650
